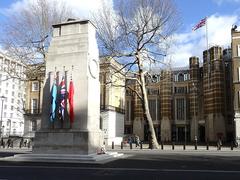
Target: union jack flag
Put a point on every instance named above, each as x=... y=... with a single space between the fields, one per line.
x=201 y=23
x=62 y=98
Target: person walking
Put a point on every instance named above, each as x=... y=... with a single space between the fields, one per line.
x=137 y=140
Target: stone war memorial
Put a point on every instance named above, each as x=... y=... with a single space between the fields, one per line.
x=72 y=57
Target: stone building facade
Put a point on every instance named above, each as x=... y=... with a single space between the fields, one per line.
x=236 y=79
x=187 y=103
x=12 y=97
x=33 y=105
x=112 y=100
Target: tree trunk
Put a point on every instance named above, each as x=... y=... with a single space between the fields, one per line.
x=153 y=143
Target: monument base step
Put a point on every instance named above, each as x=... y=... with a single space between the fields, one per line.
x=64 y=158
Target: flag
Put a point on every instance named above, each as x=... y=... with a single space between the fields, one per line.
x=201 y=23
x=62 y=98
x=70 y=99
x=53 y=101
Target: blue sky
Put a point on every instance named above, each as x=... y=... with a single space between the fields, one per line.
x=222 y=15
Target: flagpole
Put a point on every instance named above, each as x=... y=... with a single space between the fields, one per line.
x=208 y=59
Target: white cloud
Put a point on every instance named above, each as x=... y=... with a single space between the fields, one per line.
x=81 y=8
x=84 y=8
x=193 y=43
x=220 y=2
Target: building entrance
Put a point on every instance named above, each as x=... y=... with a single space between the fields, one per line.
x=202 y=133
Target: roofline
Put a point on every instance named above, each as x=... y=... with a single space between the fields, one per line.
x=73 y=22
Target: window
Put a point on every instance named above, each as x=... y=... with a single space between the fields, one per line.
x=12 y=107
x=180 y=77
x=238 y=95
x=175 y=78
x=8 y=122
x=13 y=93
x=11 y=115
x=5 y=114
x=35 y=86
x=14 y=124
x=12 y=100
x=5 y=106
x=153 y=109
x=34 y=125
x=238 y=71
x=180 y=109
x=14 y=132
x=128 y=110
x=34 y=105
x=238 y=50
x=180 y=90
x=153 y=91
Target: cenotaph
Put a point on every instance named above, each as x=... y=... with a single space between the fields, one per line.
x=73 y=54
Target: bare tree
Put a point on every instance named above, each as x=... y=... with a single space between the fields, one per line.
x=27 y=34
x=134 y=33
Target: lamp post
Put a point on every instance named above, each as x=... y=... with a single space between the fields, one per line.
x=2 y=99
x=10 y=124
x=194 y=114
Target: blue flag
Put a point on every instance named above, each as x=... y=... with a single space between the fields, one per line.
x=53 y=101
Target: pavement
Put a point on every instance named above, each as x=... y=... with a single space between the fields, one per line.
x=135 y=164
x=145 y=147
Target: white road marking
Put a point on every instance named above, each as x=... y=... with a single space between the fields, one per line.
x=127 y=169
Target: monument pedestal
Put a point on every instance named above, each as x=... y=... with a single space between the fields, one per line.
x=67 y=141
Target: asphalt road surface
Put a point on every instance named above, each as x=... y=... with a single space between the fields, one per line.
x=134 y=165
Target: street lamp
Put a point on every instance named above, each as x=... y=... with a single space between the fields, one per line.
x=194 y=113
x=9 y=124
x=2 y=99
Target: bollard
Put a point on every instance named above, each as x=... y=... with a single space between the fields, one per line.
x=141 y=145
x=130 y=145
x=112 y=144
x=195 y=145
x=207 y=145
x=172 y=145
x=121 y=145
x=184 y=146
x=231 y=145
x=162 y=145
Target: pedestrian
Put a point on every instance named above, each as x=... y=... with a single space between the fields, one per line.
x=137 y=140
x=11 y=143
x=8 y=142
x=29 y=143
x=25 y=143
x=21 y=143
x=219 y=144
x=2 y=142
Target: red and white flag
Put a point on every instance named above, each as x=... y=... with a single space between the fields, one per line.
x=201 y=23
x=70 y=99
x=62 y=98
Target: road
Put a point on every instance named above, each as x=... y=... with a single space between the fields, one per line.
x=140 y=165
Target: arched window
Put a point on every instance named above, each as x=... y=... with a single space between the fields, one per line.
x=180 y=77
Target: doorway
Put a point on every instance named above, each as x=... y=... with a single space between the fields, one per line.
x=202 y=133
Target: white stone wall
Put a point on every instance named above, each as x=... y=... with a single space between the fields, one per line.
x=113 y=126
x=12 y=110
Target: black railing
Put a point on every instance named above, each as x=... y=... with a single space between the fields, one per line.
x=117 y=109
x=33 y=111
